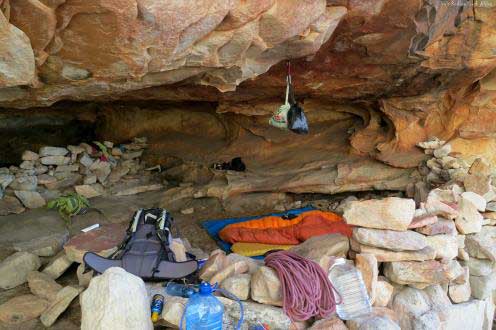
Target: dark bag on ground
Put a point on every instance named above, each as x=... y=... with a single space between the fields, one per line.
x=145 y=251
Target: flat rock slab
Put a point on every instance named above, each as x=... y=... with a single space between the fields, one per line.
x=422 y=274
x=422 y=221
x=320 y=248
x=22 y=308
x=140 y=189
x=30 y=225
x=442 y=226
x=44 y=246
x=102 y=240
x=55 y=160
x=383 y=255
x=59 y=305
x=389 y=213
x=89 y=191
x=43 y=286
x=390 y=239
x=58 y=265
x=53 y=151
x=14 y=269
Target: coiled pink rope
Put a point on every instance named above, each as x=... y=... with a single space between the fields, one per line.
x=306 y=290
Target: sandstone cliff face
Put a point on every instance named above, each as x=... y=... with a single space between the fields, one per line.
x=85 y=49
x=375 y=76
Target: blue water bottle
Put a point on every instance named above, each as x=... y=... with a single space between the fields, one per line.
x=179 y=290
x=203 y=310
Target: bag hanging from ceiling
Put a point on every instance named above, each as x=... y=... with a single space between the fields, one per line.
x=290 y=115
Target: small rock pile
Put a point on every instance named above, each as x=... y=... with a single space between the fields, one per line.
x=445 y=166
x=442 y=167
x=85 y=169
x=48 y=299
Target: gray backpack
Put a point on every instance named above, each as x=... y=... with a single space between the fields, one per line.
x=145 y=250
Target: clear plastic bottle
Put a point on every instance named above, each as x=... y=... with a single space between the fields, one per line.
x=179 y=290
x=348 y=281
x=203 y=310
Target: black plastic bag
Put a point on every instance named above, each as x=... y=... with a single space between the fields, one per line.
x=297 y=121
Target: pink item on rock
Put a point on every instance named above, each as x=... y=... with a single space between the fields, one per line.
x=306 y=289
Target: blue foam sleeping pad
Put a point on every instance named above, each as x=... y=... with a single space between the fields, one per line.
x=213 y=227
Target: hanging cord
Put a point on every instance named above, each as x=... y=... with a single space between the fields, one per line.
x=288 y=65
x=289 y=86
x=229 y=295
x=288 y=82
x=306 y=290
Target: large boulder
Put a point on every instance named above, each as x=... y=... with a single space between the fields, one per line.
x=116 y=300
x=14 y=269
x=412 y=307
x=389 y=213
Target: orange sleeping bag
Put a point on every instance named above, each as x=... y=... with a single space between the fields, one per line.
x=276 y=230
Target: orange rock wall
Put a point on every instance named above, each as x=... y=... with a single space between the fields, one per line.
x=408 y=69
